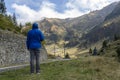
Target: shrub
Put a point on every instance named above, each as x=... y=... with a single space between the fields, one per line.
x=118 y=53
x=90 y=51
x=104 y=44
x=67 y=56
x=116 y=37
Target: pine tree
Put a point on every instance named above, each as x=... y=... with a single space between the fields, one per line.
x=2 y=7
x=14 y=20
x=67 y=56
x=116 y=37
x=104 y=44
x=20 y=26
x=10 y=17
x=90 y=51
x=118 y=53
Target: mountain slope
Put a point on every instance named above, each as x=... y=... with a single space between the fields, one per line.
x=88 y=21
x=7 y=24
x=114 y=13
x=53 y=28
x=56 y=29
x=110 y=50
x=107 y=29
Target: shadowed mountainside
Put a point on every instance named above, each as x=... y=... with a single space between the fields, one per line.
x=107 y=29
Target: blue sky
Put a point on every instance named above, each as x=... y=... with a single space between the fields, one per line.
x=34 y=10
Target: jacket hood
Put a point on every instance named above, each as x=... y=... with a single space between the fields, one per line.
x=35 y=26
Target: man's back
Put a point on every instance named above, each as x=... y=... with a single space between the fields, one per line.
x=34 y=38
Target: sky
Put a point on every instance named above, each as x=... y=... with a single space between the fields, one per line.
x=35 y=10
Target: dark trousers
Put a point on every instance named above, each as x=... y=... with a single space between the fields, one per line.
x=34 y=56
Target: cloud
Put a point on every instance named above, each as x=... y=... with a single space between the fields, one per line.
x=47 y=9
x=86 y=4
x=31 y=3
x=25 y=14
x=74 y=8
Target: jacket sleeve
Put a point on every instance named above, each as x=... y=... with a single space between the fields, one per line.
x=41 y=36
x=27 y=41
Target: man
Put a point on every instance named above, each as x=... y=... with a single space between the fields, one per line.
x=34 y=41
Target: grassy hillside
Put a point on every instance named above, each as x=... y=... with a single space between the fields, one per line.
x=6 y=24
x=110 y=50
x=88 y=68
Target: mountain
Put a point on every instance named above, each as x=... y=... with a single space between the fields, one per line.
x=72 y=29
x=53 y=28
x=107 y=29
x=88 y=21
x=114 y=13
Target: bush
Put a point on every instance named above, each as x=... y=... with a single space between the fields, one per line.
x=67 y=56
x=118 y=53
x=90 y=51
x=104 y=44
x=116 y=37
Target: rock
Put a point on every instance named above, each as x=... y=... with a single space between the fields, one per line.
x=13 y=49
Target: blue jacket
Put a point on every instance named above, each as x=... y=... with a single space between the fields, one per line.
x=34 y=38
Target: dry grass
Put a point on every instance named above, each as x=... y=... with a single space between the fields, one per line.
x=87 y=68
x=59 y=51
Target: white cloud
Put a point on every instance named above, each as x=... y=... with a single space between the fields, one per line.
x=48 y=10
x=25 y=13
x=75 y=8
x=87 y=4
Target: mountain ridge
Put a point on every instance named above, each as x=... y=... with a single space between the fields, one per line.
x=106 y=29
x=74 y=28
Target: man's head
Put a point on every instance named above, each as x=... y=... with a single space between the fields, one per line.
x=35 y=26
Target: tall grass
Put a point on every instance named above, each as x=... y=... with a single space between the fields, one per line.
x=88 y=68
